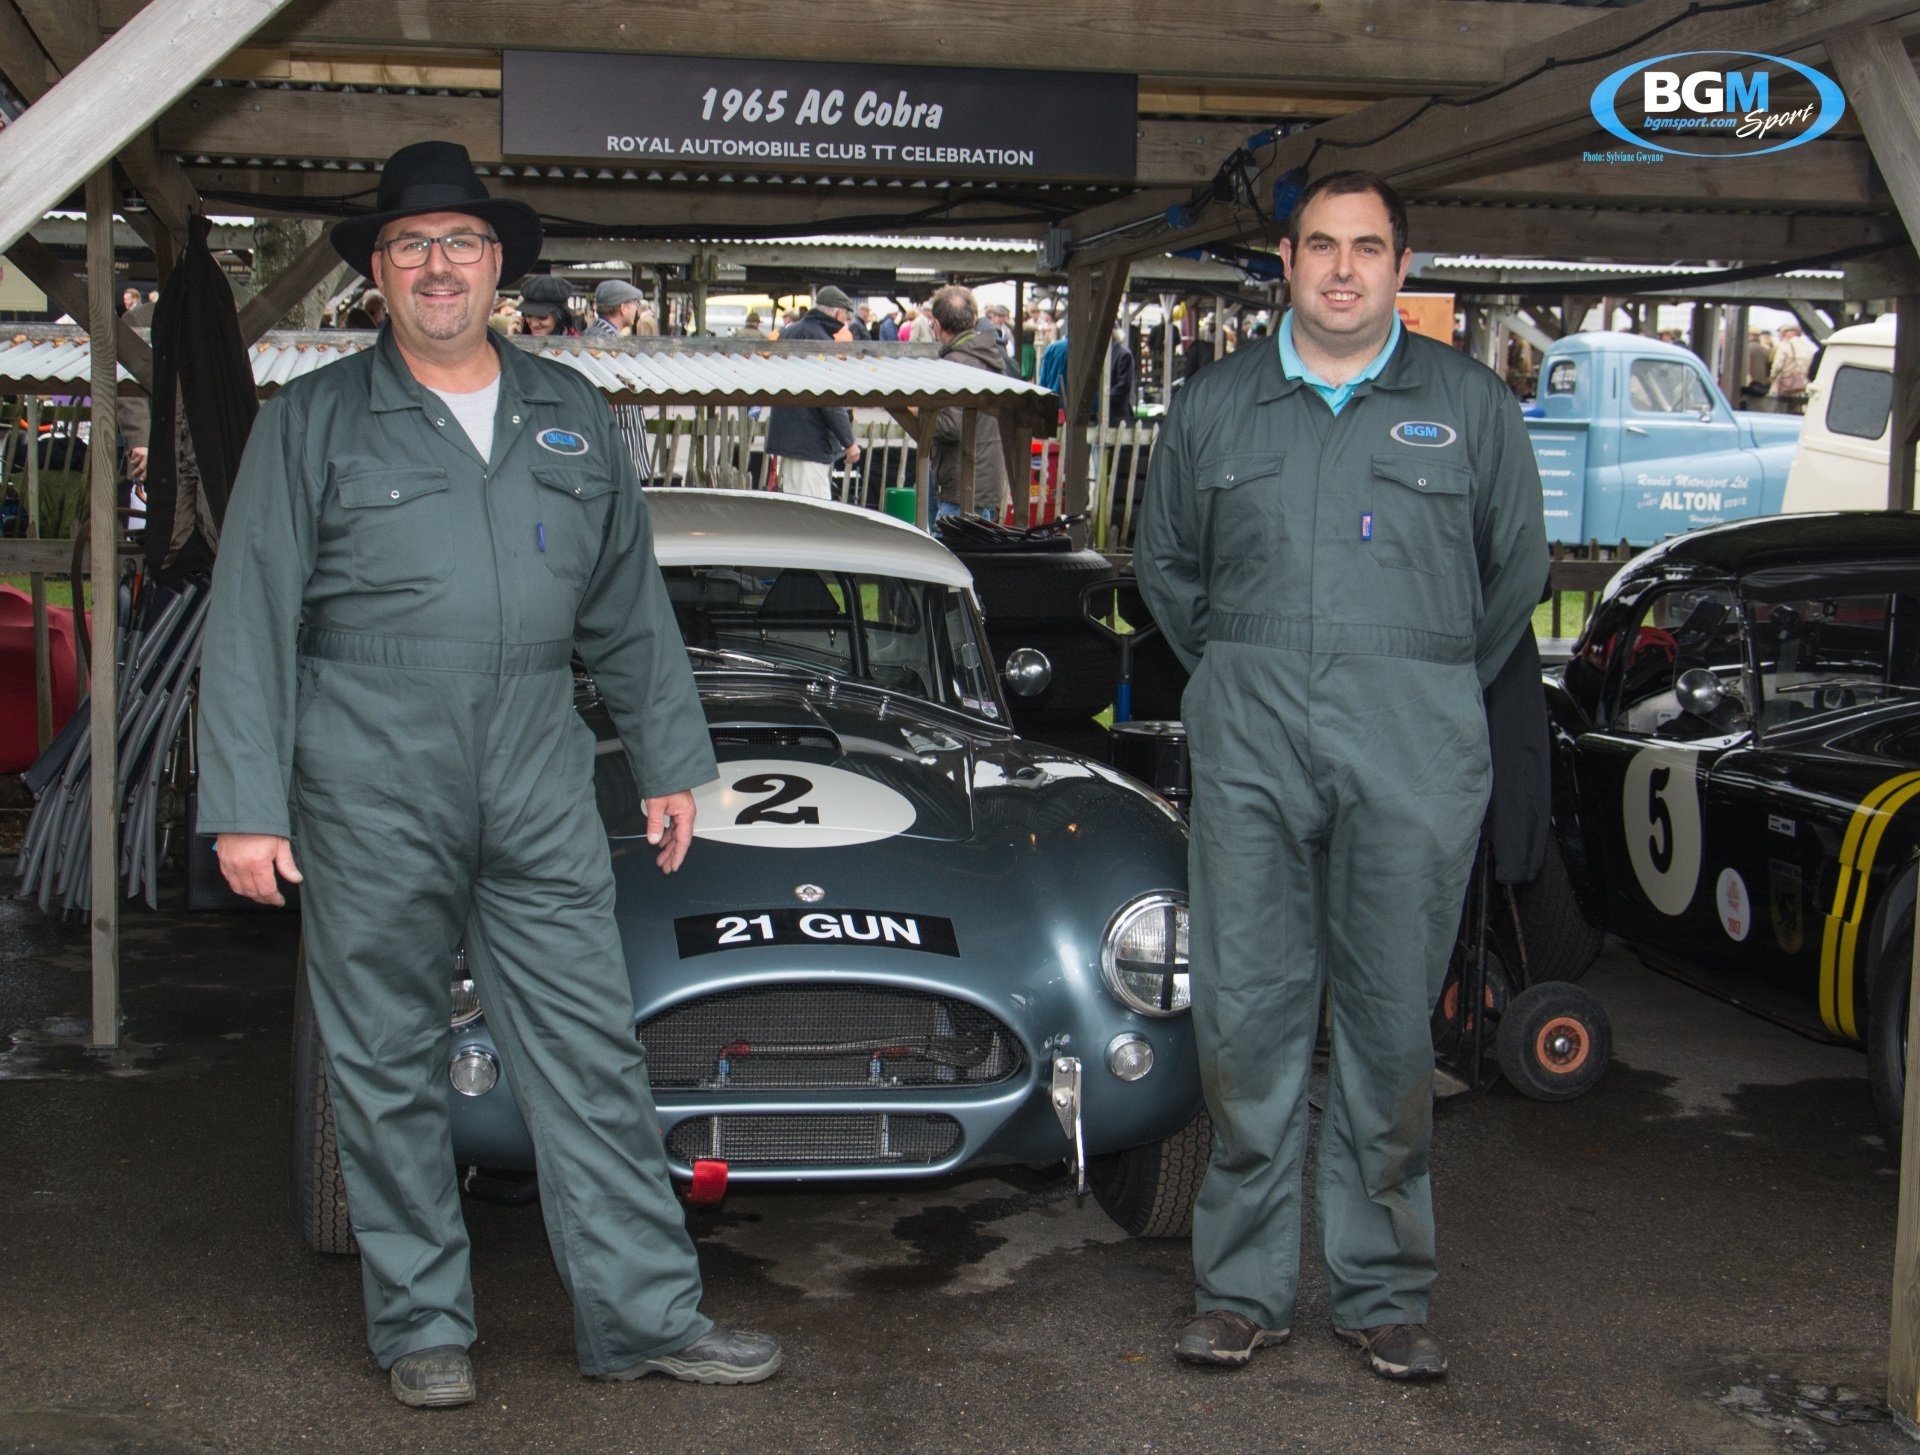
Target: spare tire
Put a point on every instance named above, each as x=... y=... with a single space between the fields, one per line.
x=1033 y=587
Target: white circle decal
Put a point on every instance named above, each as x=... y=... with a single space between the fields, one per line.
x=1736 y=910
x=777 y=803
x=1660 y=814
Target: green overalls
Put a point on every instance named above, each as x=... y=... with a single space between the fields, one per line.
x=386 y=681
x=1340 y=587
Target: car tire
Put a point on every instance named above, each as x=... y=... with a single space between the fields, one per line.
x=1892 y=980
x=1560 y=943
x=1149 y=1191
x=1033 y=586
x=1554 y=1042
x=319 y=1188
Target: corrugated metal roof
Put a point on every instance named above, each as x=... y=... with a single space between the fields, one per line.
x=652 y=371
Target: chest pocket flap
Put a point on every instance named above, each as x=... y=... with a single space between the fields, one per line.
x=1429 y=477
x=580 y=484
x=1241 y=495
x=371 y=488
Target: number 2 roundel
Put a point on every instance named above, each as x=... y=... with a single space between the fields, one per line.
x=777 y=803
x=1660 y=814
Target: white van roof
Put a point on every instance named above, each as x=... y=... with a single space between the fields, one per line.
x=1880 y=331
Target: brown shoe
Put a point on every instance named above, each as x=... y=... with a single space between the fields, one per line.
x=1400 y=1351
x=1222 y=1336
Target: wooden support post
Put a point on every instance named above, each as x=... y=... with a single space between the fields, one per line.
x=53 y=278
x=103 y=692
x=1093 y=297
x=923 y=505
x=1733 y=364
x=37 y=585
x=1016 y=443
x=267 y=307
x=93 y=112
x=1906 y=404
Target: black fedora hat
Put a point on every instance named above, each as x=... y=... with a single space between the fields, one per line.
x=438 y=176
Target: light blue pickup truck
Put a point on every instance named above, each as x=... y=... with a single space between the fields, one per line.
x=1635 y=442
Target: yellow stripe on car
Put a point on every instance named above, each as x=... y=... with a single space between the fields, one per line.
x=1840 y=939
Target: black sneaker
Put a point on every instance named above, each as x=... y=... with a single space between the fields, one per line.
x=1222 y=1336
x=719 y=1356
x=1400 y=1351
x=433 y=1379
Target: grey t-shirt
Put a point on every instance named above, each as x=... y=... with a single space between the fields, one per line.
x=475 y=412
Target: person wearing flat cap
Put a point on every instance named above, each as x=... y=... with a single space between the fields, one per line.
x=546 y=306
x=421 y=537
x=808 y=443
x=617 y=304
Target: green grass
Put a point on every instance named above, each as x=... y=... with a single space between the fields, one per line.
x=1573 y=615
x=59 y=589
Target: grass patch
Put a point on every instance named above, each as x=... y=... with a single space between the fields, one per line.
x=1573 y=615
x=59 y=589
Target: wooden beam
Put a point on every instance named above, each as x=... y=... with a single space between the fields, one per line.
x=1900 y=464
x=1885 y=95
x=1821 y=174
x=308 y=271
x=103 y=693
x=237 y=121
x=94 y=110
x=1378 y=45
x=23 y=60
x=1408 y=140
x=1642 y=237
x=52 y=277
x=1093 y=298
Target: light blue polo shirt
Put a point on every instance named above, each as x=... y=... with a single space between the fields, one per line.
x=1336 y=395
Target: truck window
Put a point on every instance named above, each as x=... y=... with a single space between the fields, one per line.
x=1860 y=402
x=1563 y=377
x=1667 y=386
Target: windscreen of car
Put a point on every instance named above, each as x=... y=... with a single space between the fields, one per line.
x=1827 y=646
x=1677 y=631
x=1859 y=402
x=913 y=637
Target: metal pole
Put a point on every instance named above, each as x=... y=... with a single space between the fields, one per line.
x=106 y=561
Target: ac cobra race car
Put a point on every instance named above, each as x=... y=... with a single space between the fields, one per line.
x=904 y=940
x=1737 y=771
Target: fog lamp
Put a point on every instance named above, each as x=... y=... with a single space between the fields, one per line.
x=1129 y=1056
x=473 y=1071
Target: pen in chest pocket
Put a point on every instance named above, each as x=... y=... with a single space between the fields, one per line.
x=540 y=534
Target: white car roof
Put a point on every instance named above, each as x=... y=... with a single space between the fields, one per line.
x=761 y=528
x=1877 y=331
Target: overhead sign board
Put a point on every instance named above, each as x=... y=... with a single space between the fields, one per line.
x=908 y=121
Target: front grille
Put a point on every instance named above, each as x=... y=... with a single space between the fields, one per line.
x=829 y=1139
x=826 y=1037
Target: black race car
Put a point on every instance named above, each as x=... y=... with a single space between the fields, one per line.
x=1737 y=771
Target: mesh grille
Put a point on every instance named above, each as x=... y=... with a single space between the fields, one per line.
x=832 y=1139
x=814 y=1037
x=774 y=737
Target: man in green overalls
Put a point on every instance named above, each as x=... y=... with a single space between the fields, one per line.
x=420 y=538
x=1342 y=539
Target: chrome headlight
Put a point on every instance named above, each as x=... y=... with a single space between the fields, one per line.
x=466 y=1000
x=1143 y=958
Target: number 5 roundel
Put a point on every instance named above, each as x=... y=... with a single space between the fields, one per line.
x=1660 y=814
x=776 y=803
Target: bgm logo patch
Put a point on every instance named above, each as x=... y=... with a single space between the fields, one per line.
x=561 y=441
x=1424 y=432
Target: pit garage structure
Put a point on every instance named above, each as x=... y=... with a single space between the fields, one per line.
x=1477 y=110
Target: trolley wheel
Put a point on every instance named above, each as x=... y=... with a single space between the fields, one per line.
x=1554 y=1042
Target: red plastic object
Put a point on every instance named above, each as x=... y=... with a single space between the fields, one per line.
x=19 y=740
x=709 y=1183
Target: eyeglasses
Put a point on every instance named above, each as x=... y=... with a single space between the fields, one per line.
x=455 y=247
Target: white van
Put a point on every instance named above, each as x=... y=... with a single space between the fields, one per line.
x=1842 y=460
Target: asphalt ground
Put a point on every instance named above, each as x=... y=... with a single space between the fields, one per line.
x=1694 y=1258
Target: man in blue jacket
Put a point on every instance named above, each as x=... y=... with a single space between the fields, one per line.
x=808 y=443
x=1342 y=539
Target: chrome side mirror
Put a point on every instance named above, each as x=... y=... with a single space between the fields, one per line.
x=1027 y=672
x=1699 y=692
